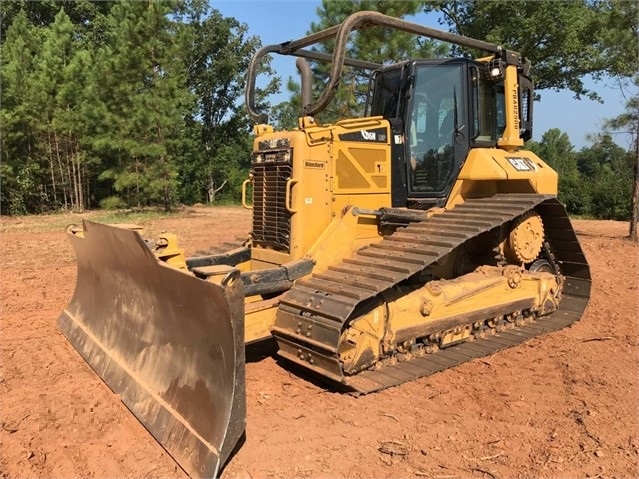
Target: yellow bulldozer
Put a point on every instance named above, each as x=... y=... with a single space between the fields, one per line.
x=383 y=249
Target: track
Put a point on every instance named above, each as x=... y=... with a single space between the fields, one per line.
x=314 y=312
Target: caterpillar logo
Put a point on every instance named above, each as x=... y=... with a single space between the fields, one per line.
x=315 y=165
x=522 y=164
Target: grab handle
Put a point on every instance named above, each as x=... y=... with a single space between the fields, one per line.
x=287 y=198
x=244 y=183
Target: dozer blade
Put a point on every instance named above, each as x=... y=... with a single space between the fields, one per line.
x=171 y=345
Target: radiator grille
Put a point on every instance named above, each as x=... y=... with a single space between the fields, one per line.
x=271 y=219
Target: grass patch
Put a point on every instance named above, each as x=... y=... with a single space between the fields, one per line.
x=133 y=216
x=58 y=221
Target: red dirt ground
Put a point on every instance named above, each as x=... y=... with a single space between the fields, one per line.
x=563 y=405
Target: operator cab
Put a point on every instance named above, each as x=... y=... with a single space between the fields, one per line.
x=440 y=109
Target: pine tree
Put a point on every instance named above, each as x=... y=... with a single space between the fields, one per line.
x=134 y=103
x=57 y=96
x=144 y=101
x=19 y=168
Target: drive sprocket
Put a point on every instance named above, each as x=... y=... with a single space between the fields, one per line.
x=525 y=239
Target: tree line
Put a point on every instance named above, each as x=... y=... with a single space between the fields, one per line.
x=134 y=103
x=595 y=181
x=124 y=103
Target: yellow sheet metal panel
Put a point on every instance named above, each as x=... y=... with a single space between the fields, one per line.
x=345 y=235
x=259 y=318
x=488 y=171
x=510 y=139
x=333 y=167
x=303 y=192
x=480 y=165
x=361 y=155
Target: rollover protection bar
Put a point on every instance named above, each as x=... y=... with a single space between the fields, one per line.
x=341 y=33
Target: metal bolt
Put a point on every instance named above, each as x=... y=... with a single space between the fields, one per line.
x=434 y=288
x=426 y=307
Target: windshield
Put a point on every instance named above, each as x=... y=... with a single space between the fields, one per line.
x=437 y=108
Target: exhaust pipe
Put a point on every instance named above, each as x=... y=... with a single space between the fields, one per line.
x=307 y=83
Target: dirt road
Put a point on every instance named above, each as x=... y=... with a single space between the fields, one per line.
x=564 y=405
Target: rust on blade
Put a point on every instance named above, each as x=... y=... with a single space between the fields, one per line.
x=170 y=344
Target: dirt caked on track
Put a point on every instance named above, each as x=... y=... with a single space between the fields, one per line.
x=562 y=405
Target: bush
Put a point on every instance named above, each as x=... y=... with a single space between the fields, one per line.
x=112 y=203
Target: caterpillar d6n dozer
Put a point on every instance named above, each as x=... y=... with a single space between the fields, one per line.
x=383 y=249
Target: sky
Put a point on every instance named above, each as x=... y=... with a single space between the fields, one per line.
x=276 y=21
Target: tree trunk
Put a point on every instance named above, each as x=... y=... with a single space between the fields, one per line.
x=87 y=187
x=65 y=183
x=212 y=191
x=634 y=204
x=52 y=168
x=77 y=157
x=74 y=181
x=137 y=181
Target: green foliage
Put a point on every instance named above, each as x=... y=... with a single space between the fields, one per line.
x=86 y=15
x=628 y=123
x=143 y=100
x=285 y=115
x=216 y=148
x=112 y=203
x=595 y=181
x=565 y=40
x=129 y=103
x=24 y=196
x=607 y=171
x=131 y=100
x=556 y=149
x=610 y=196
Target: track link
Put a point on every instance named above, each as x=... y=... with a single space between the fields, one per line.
x=314 y=312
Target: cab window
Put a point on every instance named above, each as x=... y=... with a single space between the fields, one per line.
x=437 y=105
